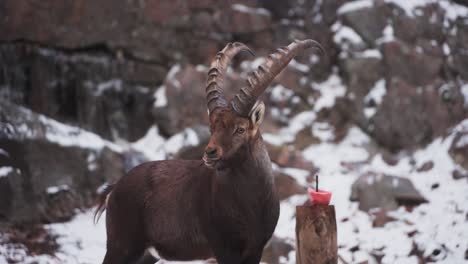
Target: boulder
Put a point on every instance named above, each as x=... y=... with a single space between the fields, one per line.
x=459 y=148
x=410 y=64
x=369 y=22
x=240 y=18
x=412 y=116
x=287 y=156
x=373 y=190
x=428 y=24
x=100 y=93
x=287 y=186
x=53 y=169
x=457 y=41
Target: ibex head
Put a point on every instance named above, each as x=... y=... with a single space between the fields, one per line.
x=234 y=123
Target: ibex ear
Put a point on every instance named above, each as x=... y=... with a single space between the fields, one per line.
x=257 y=113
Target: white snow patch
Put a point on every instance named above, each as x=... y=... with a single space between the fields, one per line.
x=376 y=94
x=354 y=5
x=171 y=76
x=66 y=135
x=280 y=93
x=330 y=89
x=388 y=35
x=299 y=66
x=114 y=84
x=464 y=91
x=287 y=134
x=56 y=189
x=4 y=171
x=4 y=153
x=250 y=10
x=160 y=99
x=151 y=144
x=369 y=53
x=344 y=34
x=188 y=137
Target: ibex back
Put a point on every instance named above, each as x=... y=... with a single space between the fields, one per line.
x=223 y=206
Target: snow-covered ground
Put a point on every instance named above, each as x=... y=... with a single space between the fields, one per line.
x=439 y=224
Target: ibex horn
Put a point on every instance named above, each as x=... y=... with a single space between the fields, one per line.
x=214 y=84
x=259 y=79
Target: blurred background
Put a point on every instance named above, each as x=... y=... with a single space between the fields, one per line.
x=89 y=89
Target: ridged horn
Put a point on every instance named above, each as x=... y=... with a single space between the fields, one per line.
x=214 y=84
x=259 y=79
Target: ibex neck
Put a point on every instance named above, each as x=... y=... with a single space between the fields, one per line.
x=256 y=165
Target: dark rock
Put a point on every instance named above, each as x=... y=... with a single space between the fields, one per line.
x=305 y=138
x=429 y=24
x=150 y=30
x=243 y=19
x=457 y=41
x=369 y=22
x=410 y=64
x=53 y=174
x=275 y=249
x=287 y=186
x=100 y=93
x=411 y=116
x=360 y=74
x=385 y=192
x=457 y=175
x=287 y=156
x=426 y=166
x=459 y=148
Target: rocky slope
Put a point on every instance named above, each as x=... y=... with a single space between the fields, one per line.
x=91 y=88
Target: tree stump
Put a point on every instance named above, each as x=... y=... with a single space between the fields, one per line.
x=316 y=235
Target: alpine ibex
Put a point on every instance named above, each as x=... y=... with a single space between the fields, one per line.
x=223 y=206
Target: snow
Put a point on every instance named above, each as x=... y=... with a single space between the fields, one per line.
x=464 y=91
x=376 y=95
x=388 y=35
x=114 y=84
x=160 y=99
x=4 y=171
x=345 y=34
x=59 y=133
x=280 y=93
x=331 y=89
x=151 y=144
x=369 y=53
x=155 y=147
x=250 y=10
x=56 y=189
x=4 y=153
x=299 y=66
x=354 y=6
x=171 y=76
x=66 y=135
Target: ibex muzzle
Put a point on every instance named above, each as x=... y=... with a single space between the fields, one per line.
x=224 y=206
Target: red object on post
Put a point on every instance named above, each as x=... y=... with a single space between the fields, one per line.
x=319 y=197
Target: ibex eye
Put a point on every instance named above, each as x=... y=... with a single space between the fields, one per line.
x=240 y=130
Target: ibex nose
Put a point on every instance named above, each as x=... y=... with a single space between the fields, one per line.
x=211 y=152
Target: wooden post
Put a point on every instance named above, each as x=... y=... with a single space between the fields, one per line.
x=316 y=235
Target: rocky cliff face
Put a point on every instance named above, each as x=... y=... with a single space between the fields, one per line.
x=88 y=89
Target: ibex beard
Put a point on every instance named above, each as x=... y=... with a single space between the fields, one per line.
x=223 y=206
